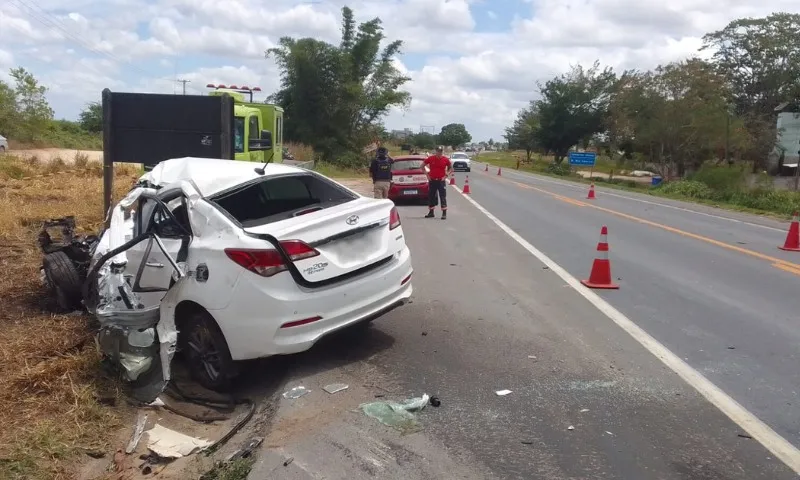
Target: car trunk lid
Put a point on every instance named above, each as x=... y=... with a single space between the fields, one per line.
x=348 y=237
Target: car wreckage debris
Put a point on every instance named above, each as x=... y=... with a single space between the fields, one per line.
x=65 y=261
x=398 y=415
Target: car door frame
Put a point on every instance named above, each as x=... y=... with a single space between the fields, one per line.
x=154 y=265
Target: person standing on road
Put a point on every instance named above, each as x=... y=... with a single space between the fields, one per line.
x=440 y=168
x=381 y=172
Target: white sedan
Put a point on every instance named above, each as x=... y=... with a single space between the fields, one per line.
x=238 y=264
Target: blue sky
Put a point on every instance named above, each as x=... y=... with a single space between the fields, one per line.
x=471 y=61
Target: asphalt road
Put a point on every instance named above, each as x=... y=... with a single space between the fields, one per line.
x=710 y=285
x=587 y=401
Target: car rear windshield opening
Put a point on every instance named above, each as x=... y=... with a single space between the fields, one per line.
x=406 y=165
x=276 y=199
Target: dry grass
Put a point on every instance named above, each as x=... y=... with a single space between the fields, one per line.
x=55 y=402
x=301 y=152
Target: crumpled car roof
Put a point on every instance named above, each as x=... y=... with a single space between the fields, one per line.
x=210 y=175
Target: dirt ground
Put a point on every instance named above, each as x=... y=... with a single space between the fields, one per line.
x=69 y=156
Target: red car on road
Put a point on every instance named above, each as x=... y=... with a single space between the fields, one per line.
x=409 y=178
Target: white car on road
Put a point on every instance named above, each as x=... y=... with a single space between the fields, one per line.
x=461 y=161
x=269 y=262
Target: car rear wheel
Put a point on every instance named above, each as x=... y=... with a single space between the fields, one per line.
x=206 y=352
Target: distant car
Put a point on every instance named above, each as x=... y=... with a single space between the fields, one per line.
x=409 y=178
x=461 y=161
x=3 y=144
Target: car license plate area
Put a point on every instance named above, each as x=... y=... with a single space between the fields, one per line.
x=410 y=192
x=354 y=250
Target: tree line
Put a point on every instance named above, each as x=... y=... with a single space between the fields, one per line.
x=27 y=118
x=680 y=115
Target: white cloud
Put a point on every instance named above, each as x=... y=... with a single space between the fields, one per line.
x=459 y=71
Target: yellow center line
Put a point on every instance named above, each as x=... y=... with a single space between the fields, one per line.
x=776 y=262
x=787 y=268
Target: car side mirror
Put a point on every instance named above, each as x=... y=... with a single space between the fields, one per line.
x=263 y=143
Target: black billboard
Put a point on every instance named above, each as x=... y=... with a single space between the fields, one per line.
x=149 y=128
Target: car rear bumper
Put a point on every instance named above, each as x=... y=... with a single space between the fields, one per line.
x=251 y=323
x=461 y=166
x=399 y=191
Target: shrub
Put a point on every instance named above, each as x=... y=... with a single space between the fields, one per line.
x=558 y=169
x=687 y=188
x=722 y=180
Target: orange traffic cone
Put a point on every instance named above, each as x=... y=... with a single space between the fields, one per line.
x=792 y=243
x=487 y=168
x=466 y=185
x=591 y=192
x=600 y=276
x=452 y=179
x=498 y=171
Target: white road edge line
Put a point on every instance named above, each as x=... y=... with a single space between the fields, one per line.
x=648 y=202
x=751 y=424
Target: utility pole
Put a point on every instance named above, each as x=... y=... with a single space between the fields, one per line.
x=184 y=82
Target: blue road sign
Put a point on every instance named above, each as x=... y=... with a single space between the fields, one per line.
x=583 y=159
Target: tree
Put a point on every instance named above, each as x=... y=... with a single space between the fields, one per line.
x=333 y=95
x=454 y=135
x=423 y=140
x=677 y=115
x=573 y=108
x=523 y=135
x=760 y=59
x=91 y=118
x=33 y=112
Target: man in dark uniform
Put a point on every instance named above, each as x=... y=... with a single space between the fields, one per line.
x=381 y=172
x=440 y=168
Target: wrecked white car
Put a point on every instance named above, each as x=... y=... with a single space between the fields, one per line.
x=225 y=262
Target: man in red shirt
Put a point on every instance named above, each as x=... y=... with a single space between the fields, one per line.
x=440 y=168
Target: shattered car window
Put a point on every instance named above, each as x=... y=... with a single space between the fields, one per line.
x=280 y=198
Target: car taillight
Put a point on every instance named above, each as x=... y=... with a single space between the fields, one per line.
x=267 y=262
x=394 y=219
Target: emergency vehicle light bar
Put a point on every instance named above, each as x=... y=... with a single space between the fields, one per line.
x=234 y=87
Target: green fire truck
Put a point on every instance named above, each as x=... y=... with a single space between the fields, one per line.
x=250 y=119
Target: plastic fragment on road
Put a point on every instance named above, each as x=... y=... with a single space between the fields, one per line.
x=168 y=443
x=398 y=415
x=335 y=387
x=584 y=410
x=295 y=393
x=570 y=428
x=502 y=393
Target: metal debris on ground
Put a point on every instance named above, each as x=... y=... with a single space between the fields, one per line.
x=295 y=393
x=435 y=402
x=138 y=430
x=168 y=443
x=399 y=416
x=288 y=461
x=532 y=357
x=502 y=393
x=335 y=387
x=245 y=451
x=609 y=433
x=584 y=410
x=570 y=428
